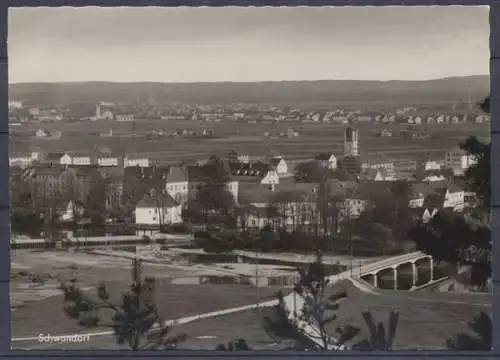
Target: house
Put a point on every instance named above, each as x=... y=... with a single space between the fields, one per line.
x=286 y=206
x=45 y=179
x=114 y=183
x=386 y=133
x=124 y=118
x=375 y=175
x=81 y=159
x=72 y=208
x=417 y=193
x=15 y=105
x=254 y=205
x=107 y=160
x=454 y=198
x=40 y=133
x=459 y=160
x=326 y=160
x=279 y=164
x=45 y=134
x=131 y=162
x=176 y=184
x=53 y=159
x=378 y=162
x=254 y=172
x=158 y=209
x=66 y=159
x=197 y=174
x=21 y=159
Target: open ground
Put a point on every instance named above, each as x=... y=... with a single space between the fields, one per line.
x=247 y=138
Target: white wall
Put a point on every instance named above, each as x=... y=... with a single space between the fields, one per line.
x=151 y=216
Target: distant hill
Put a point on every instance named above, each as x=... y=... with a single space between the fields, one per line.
x=447 y=90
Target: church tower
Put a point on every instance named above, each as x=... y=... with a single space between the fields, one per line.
x=351 y=143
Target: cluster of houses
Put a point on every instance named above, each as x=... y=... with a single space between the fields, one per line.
x=159 y=194
x=95 y=158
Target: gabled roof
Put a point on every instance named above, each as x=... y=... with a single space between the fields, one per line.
x=257 y=169
x=434 y=201
x=324 y=156
x=54 y=156
x=301 y=191
x=249 y=193
x=176 y=174
x=454 y=188
x=55 y=171
x=275 y=161
x=156 y=200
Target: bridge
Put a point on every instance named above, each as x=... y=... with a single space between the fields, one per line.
x=295 y=302
x=371 y=272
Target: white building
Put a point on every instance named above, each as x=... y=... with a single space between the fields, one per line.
x=327 y=160
x=454 y=198
x=177 y=185
x=124 y=118
x=158 y=209
x=107 y=160
x=280 y=165
x=15 y=105
x=20 y=159
x=132 y=162
x=459 y=160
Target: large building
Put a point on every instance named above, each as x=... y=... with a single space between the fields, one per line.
x=351 y=142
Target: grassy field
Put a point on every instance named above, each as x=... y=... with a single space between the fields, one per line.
x=245 y=138
x=45 y=315
x=426 y=320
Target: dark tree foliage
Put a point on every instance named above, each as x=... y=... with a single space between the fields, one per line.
x=453 y=239
x=135 y=320
x=485 y=105
x=482 y=338
x=214 y=202
x=317 y=311
x=309 y=172
x=380 y=337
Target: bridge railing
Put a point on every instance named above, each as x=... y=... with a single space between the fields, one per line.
x=397 y=260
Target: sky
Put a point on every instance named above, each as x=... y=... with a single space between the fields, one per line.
x=246 y=44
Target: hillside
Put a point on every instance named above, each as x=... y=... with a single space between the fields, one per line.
x=446 y=90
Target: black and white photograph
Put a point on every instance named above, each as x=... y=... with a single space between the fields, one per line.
x=250 y=178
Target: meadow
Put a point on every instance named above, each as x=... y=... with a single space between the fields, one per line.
x=244 y=138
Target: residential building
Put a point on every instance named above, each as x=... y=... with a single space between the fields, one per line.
x=254 y=172
x=378 y=162
x=53 y=159
x=15 y=105
x=279 y=164
x=176 y=184
x=158 y=209
x=21 y=159
x=107 y=160
x=45 y=134
x=326 y=160
x=197 y=175
x=287 y=206
x=459 y=160
x=141 y=162
x=124 y=118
